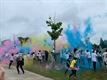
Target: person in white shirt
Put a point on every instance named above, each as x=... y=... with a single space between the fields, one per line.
x=99 y=58
x=88 y=56
x=11 y=60
x=105 y=58
x=94 y=60
x=39 y=56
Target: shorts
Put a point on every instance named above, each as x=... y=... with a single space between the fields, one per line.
x=11 y=61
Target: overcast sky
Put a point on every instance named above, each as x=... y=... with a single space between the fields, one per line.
x=20 y=17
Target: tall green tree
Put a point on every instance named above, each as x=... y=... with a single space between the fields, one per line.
x=101 y=43
x=55 y=30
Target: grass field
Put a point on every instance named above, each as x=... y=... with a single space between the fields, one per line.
x=59 y=75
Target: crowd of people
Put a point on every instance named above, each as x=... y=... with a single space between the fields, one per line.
x=40 y=56
x=18 y=59
x=76 y=59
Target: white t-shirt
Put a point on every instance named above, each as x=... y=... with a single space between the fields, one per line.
x=77 y=55
x=94 y=57
x=39 y=55
x=88 y=55
x=34 y=55
x=11 y=58
x=105 y=56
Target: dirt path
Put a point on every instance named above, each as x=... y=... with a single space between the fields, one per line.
x=11 y=74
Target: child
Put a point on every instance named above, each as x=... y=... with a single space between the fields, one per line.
x=68 y=64
x=74 y=68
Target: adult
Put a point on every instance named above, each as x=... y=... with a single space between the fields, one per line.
x=39 y=56
x=77 y=55
x=82 y=57
x=94 y=59
x=11 y=60
x=46 y=55
x=88 y=56
x=20 y=63
x=43 y=55
x=105 y=58
x=34 y=56
x=99 y=58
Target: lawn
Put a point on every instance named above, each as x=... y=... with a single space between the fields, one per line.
x=59 y=75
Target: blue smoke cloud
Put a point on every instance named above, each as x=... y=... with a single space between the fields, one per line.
x=88 y=30
x=74 y=38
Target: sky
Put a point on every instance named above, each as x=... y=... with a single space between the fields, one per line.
x=27 y=17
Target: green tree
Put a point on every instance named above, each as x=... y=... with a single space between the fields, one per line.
x=101 y=43
x=55 y=30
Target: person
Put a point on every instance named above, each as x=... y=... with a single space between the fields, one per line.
x=99 y=58
x=20 y=63
x=68 y=63
x=11 y=60
x=2 y=73
x=46 y=55
x=77 y=55
x=105 y=58
x=94 y=59
x=43 y=55
x=82 y=56
x=34 y=56
x=39 y=56
x=74 y=68
x=88 y=56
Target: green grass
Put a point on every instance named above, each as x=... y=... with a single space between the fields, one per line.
x=59 y=75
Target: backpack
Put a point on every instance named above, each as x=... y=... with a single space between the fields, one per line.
x=20 y=58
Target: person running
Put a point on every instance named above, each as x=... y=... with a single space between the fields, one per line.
x=74 y=68
x=11 y=60
x=94 y=59
x=88 y=56
x=77 y=55
x=105 y=58
x=68 y=64
x=20 y=63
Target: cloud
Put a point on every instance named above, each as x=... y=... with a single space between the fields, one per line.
x=29 y=16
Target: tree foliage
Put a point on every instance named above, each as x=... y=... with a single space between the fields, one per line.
x=55 y=27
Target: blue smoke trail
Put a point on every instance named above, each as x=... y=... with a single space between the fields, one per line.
x=74 y=38
x=70 y=37
x=88 y=30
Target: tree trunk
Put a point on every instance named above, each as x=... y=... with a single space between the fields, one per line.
x=54 y=46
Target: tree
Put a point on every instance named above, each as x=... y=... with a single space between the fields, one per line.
x=95 y=46
x=101 y=43
x=55 y=30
